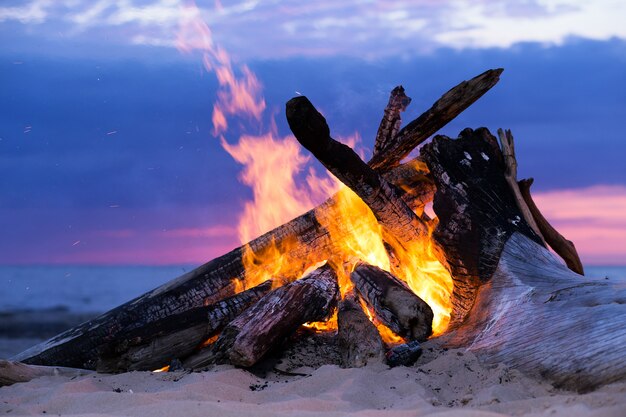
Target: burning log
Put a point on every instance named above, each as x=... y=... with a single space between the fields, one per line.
x=312 y=131
x=173 y=337
x=276 y=316
x=359 y=339
x=393 y=302
x=514 y=302
x=563 y=247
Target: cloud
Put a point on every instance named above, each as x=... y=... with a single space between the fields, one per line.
x=594 y=218
x=372 y=29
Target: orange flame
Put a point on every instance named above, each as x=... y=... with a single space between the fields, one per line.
x=271 y=168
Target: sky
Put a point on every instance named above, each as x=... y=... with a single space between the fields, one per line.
x=109 y=151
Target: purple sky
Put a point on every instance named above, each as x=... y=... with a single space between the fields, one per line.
x=107 y=152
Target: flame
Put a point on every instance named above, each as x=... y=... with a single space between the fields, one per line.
x=386 y=334
x=164 y=369
x=274 y=169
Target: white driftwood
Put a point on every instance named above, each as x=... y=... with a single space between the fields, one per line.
x=540 y=317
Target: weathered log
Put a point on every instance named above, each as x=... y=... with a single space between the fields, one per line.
x=393 y=302
x=450 y=105
x=16 y=372
x=521 y=305
x=275 y=317
x=563 y=247
x=358 y=338
x=536 y=315
x=174 y=337
x=469 y=175
x=507 y=145
x=390 y=124
x=312 y=131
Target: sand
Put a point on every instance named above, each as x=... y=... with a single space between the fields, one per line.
x=442 y=383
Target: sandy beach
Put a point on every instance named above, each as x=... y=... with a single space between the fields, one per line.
x=442 y=382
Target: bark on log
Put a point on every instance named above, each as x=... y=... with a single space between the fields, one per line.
x=507 y=145
x=525 y=308
x=174 y=337
x=476 y=209
x=450 y=105
x=16 y=372
x=390 y=124
x=563 y=247
x=393 y=302
x=358 y=337
x=277 y=315
x=312 y=131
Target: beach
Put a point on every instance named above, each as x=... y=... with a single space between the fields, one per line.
x=303 y=380
x=448 y=383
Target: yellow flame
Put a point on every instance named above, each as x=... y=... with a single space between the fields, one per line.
x=272 y=166
x=164 y=369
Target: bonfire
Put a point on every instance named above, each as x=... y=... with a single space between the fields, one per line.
x=372 y=269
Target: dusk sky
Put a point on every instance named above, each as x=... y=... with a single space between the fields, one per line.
x=109 y=153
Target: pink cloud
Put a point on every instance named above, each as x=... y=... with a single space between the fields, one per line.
x=594 y=218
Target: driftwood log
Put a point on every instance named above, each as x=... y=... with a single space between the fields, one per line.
x=514 y=301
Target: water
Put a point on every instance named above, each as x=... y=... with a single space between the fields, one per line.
x=78 y=289
x=99 y=288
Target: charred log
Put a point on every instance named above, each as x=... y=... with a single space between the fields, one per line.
x=390 y=124
x=393 y=302
x=476 y=209
x=312 y=131
x=275 y=317
x=358 y=338
x=174 y=337
x=521 y=305
x=450 y=105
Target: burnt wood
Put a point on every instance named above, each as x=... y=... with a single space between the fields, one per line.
x=476 y=209
x=450 y=105
x=390 y=124
x=174 y=337
x=274 y=318
x=312 y=131
x=358 y=338
x=394 y=303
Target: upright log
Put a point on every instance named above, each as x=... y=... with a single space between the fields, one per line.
x=476 y=209
x=359 y=340
x=520 y=305
x=390 y=124
x=393 y=302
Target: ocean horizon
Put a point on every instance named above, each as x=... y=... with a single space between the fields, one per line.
x=99 y=288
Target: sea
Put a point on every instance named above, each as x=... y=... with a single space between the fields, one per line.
x=95 y=289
